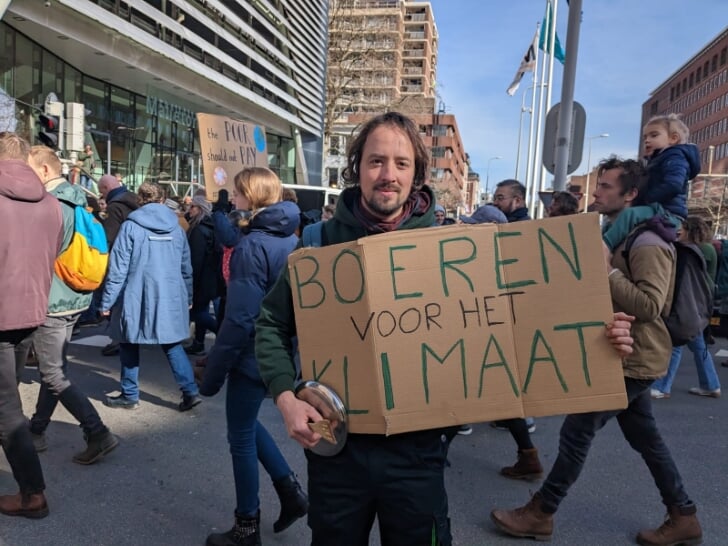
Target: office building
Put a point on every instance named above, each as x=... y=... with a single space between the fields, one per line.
x=143 y=70
x=698 y=90
x=383 y=57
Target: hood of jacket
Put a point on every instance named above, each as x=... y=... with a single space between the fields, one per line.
x=207 y=222
x=688 y=151
x=280 y=219
x=19 y=182
x=69 y=193
x=155 y=217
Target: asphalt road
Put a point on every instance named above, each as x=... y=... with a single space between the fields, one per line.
x=170 y=483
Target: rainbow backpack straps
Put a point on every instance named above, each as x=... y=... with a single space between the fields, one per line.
x=82 y=265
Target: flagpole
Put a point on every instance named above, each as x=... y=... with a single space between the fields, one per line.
x=536 y=176
x=552 y=50
x=529 y=155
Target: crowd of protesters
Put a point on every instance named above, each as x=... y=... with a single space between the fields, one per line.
x=221 y=267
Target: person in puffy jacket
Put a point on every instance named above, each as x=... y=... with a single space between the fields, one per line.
x=264 y=242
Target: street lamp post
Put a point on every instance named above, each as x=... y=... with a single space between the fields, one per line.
x=588 y=169
x=487 y=173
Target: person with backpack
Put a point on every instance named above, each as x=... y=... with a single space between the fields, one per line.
x=206 y=255
x=641 y=284
x=65 y=305
x=696 y=232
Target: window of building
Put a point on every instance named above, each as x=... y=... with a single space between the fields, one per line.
x=697 y=74
x=437 y=174
x=690 y=81
x=714 y=63
x=723 y=55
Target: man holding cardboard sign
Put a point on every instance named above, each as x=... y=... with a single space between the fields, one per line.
x=643 y=287
x=399 y=478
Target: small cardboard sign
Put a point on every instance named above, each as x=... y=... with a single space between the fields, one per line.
x=450 y=325
x=228 y=145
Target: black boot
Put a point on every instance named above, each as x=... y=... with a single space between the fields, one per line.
x=245 y=532
x=294 y=502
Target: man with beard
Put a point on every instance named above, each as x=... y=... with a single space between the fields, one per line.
x=397 y=478
x=120 y=202
x=641 y=284
x=510 y=197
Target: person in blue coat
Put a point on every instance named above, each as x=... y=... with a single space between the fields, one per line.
x=265 y=240
x=149 y=286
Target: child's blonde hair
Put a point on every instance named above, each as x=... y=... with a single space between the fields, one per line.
x=673 y=125
x=260 y=186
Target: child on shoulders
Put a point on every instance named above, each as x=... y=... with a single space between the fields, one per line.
x=671 y=163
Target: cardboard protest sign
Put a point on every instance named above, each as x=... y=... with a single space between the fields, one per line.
x=450 y=325
x=228 y=145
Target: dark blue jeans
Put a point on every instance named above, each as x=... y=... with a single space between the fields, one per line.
x=250 y=441
x=204 y=321
x=14 y=431
x=640 y=430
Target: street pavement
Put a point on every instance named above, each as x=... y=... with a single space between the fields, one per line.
x=170 y=483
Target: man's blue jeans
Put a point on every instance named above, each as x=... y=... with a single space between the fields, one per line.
x=639 y=429
x=250 y=441
x=707 y=377
x=178 y=361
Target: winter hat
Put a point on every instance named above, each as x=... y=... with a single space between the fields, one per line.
x=485 y=214
x=171 y=203
x=202 y=203
x=440 y=208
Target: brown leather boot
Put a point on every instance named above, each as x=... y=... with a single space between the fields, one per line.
x=527 y=467
x=529 y=521
x=681 y=526
x=32 y=506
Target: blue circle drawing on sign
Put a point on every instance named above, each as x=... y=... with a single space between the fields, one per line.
x=259 y=137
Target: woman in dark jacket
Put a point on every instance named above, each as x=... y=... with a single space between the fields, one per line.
x=206 y=255
x=266 y=239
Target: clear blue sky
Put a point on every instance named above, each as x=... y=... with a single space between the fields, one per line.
x=627 y=48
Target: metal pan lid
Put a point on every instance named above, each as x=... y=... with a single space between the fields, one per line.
x=334 y=428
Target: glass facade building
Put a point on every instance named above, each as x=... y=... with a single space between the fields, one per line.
x=143 y=69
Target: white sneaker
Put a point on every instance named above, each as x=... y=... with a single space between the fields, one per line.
x=656 y=394
x=705 y=392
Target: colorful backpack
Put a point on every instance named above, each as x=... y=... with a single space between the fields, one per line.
x=82 y=265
